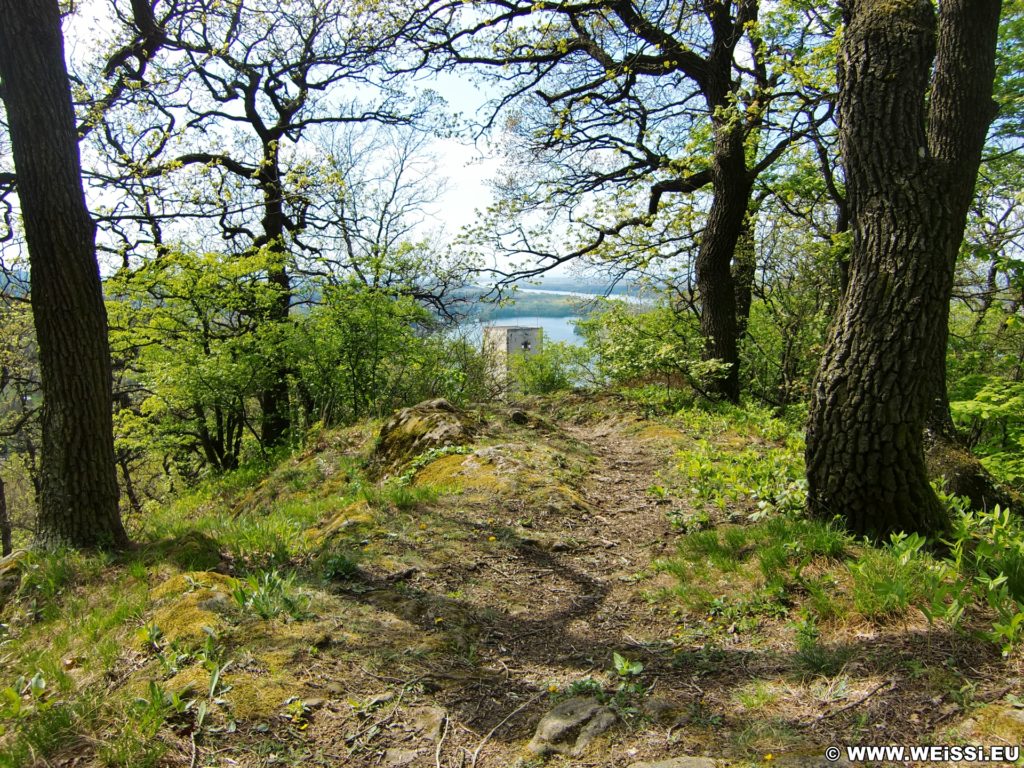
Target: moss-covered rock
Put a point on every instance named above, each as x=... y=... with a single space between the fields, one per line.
x=194 y=551
x=355 y=516
x=963 y=475
x=512 y=470
x=193 y=605
x=191 y=582
x=481 y=470
x=411 y=431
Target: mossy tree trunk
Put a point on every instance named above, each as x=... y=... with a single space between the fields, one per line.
x=78 y=502
x=911 y=159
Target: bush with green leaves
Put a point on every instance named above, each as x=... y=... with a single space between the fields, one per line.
x=635 y=345
x=365 y=352
x=356 y=351
x=984 y=373
x=195 y=336
x=994 y=419
x=554 y=367
x=192 y=331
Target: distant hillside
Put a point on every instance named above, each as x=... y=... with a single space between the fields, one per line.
x=576 y=285
x=545 y=299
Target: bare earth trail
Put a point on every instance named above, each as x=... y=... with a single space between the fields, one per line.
x=538 y=620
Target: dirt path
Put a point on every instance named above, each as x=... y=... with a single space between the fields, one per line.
x=533 y=613
x=587 y=602
x=573 y=603
x=513 y=628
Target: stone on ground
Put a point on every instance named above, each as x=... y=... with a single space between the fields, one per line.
x=570 y=727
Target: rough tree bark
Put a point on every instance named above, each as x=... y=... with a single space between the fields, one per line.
x=276 y=413
x=961 y=111
x=716 y=285
x=78 y=503
x=732 y=183
x=5 y=522
x=910 y=164
x=744 y=270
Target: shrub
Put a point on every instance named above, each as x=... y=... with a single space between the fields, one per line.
x=555 y=366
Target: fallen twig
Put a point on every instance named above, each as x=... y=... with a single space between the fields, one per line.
x=859 y=701
x=440 y=742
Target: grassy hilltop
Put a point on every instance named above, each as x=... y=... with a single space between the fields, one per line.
x=398 y=601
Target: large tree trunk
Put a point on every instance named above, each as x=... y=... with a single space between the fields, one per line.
x=274 y=401
x=731 y=184
x=78 y=502
x=961 y=111
x=715 y=283
x=906 y=191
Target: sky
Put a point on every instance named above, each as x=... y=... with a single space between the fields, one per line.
x=467 y=165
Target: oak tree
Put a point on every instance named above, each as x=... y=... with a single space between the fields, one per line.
x=915 y=104
x=625 y=104
x=78 y=501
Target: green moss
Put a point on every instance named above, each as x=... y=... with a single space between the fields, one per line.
x=185 y=622
x=352 y=517
x=661 y=433
x=257 y=697
x=191 y=682
x=278 y=653
x=192 y=581
x=192 y=606
x=997 y=724
x=472 y=473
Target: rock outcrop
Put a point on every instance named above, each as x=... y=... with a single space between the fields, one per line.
x=417 y=429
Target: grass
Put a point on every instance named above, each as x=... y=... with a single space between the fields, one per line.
x=77 y=618
x=80 y=619
x=781 y=568
x=765 y=738
x=769 y=556
x=757 y=696
x=73 y=621
x=743 y=475
x=769 y=608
